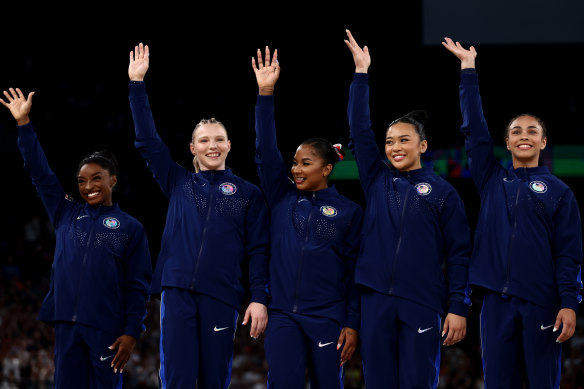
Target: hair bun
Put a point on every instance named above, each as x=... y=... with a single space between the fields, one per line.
x=419 y=115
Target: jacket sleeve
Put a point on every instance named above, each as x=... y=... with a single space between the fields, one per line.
x=43 y=178
x=138 y=276
x=363 y=143
x=567 y=251
x=479 y=143
x=257 y=241
x=457 y=242
x=353 y=317
x=148 y=142
x=270 y=164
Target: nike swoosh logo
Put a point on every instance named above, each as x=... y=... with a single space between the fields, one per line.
x=325 y=344
x=103 y=359
x=546 y=327
x=506 y=180
x=81 y=217
x=219 y=329
x=395 y=178
x=421 y=331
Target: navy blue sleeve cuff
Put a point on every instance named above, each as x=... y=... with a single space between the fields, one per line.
x=361 y=78
x=458 y=308
x=264 y=101
x=137 y=88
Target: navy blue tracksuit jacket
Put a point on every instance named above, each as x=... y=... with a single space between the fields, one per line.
x=102 y=271
x=216 y=222
x=414 y=223
x=315 y=236
x=528 y=241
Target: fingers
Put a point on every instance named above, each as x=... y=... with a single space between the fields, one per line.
x=558 y=322
x=267 y=56
x=4 y=103
x=253 y=331
x=567 y=333
x=260 y=60
x=29 y=98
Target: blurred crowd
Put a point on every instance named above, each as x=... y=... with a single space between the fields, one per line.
x=26 y=345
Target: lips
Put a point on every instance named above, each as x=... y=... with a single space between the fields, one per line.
x=213 y=155
x=299 y=180
x=524 y=146
x=92 y=195
x=398 y=157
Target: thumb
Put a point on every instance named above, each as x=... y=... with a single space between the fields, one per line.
x=558 y=322
x=341 y=340
x=445 y=328
x=246 y=317
x=115 y=345
x=29 y=98
x=366 y=50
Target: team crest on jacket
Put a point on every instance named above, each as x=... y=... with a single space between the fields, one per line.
x=329 y=211
x=111 y=222
x=423 y=188
x=538 y=186
x=227 y=188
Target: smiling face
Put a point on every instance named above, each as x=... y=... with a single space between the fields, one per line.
x=210 y=146
x=403 y=147
x=96 y=184
x=525 y=140
x=309 y=169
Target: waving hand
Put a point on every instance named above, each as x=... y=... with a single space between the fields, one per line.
x=267 y=73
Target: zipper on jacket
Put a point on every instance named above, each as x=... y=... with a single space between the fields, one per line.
x=295 y=308
x=508 y=268
x=204 y=233
x=82 y=271
x=399 y=240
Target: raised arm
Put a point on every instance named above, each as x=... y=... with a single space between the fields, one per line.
x=148 y=142
x=363 y=143
x=479 y=143
x=35 y=161
x=270 y=164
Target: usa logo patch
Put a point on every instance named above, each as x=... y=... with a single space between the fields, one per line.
x=328 y=211
x=538 y=186
x=111 y=222
x=423 y=188
x=227 y=188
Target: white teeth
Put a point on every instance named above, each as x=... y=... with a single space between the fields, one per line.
x=92 y=194
x=398 y=157
x=213 y=155
x=524 y=147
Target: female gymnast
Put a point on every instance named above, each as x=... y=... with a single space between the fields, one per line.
x=101 y=271
x=528 y=246
x=314 y=307
x=414 y=223
x=216 y=223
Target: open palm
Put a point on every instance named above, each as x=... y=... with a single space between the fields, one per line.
x=267 y=72
x=139 y=62
x=18 y=105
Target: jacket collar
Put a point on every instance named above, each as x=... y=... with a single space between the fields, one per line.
x=322 y=194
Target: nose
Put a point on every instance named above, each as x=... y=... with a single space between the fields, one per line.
x=295 y=169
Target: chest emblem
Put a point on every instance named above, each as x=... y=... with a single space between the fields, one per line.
x=227 y=188
x=538 y=186
x=423 y=188
x=328 y=211
x=111 y=222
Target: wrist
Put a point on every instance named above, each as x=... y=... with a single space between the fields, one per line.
x=23 y=120
x=137 y=78
x=266 y=91
x=361 y=70
x=467 y=64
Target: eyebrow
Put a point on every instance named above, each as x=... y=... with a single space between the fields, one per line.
x=401 y=136
x=517 y=127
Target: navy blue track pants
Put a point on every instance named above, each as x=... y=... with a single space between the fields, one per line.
x=83 y=359
x=400 y=343
x=518 y=344
x=196 y=340
x=296 y=342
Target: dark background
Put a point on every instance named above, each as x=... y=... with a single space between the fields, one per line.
x=200 y=68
